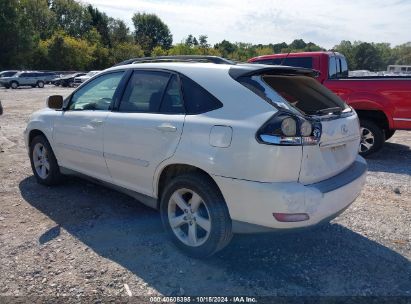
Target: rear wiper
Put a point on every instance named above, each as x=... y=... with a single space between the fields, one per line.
x=335 y=110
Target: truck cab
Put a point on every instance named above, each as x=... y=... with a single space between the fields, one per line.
x=383 y=103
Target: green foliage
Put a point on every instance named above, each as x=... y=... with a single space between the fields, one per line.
x=373 y=56
x=124 y=51
x=150 y=32
x=65 y=52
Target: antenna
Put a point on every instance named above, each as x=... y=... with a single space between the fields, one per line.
x=282 y=61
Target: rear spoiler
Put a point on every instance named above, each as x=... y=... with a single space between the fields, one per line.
x=238 y=71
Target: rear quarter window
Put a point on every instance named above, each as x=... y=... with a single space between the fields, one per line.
x=198 y=100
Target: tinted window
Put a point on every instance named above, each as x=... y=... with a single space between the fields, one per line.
x=144 y=92
x=303 y=62
x=342 y=68
x=332 y=69
x=24 y=75
x=196 y=99
x=97 y=94
x=172 y=100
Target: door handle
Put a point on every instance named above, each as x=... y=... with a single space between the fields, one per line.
x=96 y=122
x=166 y=128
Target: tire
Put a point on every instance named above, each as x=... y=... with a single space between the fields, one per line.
x=372 y=137
x=211 y=209
x=42 y=156
x=389 y=134
x=14 y=84
x=40 y=84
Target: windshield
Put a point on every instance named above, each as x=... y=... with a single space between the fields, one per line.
x=295 y=93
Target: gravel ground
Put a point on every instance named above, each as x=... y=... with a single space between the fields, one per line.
x=82 y=239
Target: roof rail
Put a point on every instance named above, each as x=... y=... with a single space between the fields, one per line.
x=179 y=58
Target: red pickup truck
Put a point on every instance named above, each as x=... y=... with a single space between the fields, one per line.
x=382 y=103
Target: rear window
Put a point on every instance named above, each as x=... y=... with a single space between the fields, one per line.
x=296 y=93
x=303 y=62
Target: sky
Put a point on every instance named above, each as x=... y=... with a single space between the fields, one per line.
x=324 y=22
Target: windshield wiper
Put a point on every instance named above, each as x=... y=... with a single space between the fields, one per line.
x=334 y=110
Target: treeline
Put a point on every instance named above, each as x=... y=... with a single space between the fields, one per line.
x=70 y=35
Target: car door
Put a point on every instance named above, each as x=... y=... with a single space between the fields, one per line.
x=144 y=129
x=24 y=79
x=78 y=131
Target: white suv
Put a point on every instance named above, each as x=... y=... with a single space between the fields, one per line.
x=217 y=148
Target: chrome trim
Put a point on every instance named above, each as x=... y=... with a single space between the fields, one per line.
x=402 y=119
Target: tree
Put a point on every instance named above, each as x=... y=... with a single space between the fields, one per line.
x=225 y=47
x=367 y=57
x=150 y=32
x=189 y=40
x=118 y=31
x=16 y=32
x=100 y=21
x=124 y=51
x=202 y=39
x=68 y=53
x=72 y=17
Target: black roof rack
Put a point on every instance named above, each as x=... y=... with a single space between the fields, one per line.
x=179 y=58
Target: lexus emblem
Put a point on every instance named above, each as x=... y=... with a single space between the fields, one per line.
x=344 y=129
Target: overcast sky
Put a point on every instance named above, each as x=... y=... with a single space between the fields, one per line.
x=325 y=22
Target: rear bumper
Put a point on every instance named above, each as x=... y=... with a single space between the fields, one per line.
x=252 y=204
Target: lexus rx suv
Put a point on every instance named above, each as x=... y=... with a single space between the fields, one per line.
x=216 y=148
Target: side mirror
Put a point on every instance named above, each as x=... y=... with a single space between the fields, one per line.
x=55 y=102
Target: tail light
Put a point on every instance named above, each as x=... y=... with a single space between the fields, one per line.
x=288 y=129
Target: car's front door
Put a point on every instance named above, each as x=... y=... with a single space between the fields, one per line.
x=78 y=131
x=144 y=129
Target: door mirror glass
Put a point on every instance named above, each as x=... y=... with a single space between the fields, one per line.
x=55 y=102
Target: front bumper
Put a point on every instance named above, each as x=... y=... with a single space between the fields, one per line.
x=253 y=203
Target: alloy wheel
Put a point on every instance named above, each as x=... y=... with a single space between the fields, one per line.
x=41 y=161
x=189 y=217
x=367 y=140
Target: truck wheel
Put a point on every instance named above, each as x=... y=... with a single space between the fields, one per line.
x=14 y=84
x=372 y=137
x=389 y=134
x=43 y=162
x=195 y=215
x=40 y=84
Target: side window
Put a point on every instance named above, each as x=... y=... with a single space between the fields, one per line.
x=24 y=75
x=332 y=69
x=97 y=94
x=144 y=92
x=172 y=101
x=196 y=99
x=342 y=68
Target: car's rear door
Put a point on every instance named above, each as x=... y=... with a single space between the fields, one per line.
x=78 y=131
x=144 y=129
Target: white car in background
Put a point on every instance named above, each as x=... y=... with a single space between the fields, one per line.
x=80 y=79
x=217 y=148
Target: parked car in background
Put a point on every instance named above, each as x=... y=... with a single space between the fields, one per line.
x=67 y=80
x=25 y=78
x=80 y=79
x=217 y=148
x=1 y=109
x=382 y=102
x=49 y=76
x=8 y=73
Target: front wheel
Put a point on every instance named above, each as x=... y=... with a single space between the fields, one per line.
x=43 y=162
x=14 y=85
x=40 y=84
x=372 y=137
x=195 y=215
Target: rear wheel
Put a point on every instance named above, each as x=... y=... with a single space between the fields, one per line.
x=14 y=84
x=40 y=84
x=372 y=137
x=43 y=162
x=195 y=215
